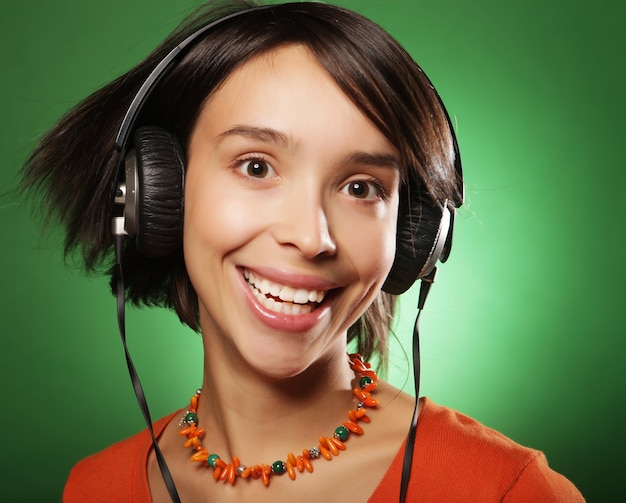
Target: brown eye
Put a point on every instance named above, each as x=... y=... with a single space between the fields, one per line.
x=358 y=189
x=364 y=189
x=256 y=168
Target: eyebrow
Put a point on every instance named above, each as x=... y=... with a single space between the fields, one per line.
x=264 y=134
x=382 y=160
x=269 y=135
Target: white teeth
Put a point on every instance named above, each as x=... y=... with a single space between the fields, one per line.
x=264 y=285
x=294 y=301
x=280 y=307
x=274 y=289
x=301 y=296
x=286 y=294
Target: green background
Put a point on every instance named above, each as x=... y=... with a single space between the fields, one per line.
x=524 y=328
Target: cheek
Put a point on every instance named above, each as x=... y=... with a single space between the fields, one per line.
x=201 y=221
x=389 y=244
x=372 y=246
x=213 y=223
x=386 y=252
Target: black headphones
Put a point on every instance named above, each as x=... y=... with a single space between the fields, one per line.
x=150 y=194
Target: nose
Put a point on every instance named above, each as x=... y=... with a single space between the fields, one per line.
x=304 y=224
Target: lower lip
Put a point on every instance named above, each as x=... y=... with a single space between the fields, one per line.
x=285 y=322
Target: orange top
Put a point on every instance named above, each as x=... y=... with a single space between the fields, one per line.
x=456 y=459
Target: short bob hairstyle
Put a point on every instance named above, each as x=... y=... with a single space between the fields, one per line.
x=74 y=166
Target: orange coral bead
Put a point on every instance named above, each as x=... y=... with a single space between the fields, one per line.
x=353 y=427
x=365 y=397
x=338 y=443
x=291 y=471
x=307 y=465
x=216 y=472
x=370 y=387
x=226 y=472
x=186 y=430
x=291 y=458
x=300 y=464
x=201 y=455
x=332 y=447
x=360 y=394
x=329 y=444
x=325 y=453
x=356 y=358
x=265 y=476
x=194 y=403
x=358 y=367
x=360 y=413
x=357 y=364
x=232 y=475
x=246 y=473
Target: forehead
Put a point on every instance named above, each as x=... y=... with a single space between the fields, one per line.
x=288 y=90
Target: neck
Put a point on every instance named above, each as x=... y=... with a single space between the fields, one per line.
x=240 y=405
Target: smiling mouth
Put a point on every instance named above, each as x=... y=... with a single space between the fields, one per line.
x=282 y=298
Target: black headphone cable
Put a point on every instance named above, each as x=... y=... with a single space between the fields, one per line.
x=141 y=398
x=425 y=285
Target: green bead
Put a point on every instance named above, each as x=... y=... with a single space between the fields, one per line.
x=212 y=459
x=342 y=433
x=279 y=467
x=365 y=380
x=190 y=417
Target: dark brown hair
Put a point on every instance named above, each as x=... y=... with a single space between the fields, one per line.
x=78 y=155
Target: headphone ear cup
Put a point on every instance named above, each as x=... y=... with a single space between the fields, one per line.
x=422 y=232
x=160 y=164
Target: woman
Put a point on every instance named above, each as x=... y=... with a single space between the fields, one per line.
x=276 y=175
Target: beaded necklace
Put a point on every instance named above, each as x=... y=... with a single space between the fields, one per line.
x=327 y=447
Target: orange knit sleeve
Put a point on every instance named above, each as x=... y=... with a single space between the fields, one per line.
x=538 y=482
x=118 y=473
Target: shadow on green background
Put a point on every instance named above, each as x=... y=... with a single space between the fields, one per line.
x=522 y=331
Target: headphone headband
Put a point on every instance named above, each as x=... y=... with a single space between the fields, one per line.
x=148 y=86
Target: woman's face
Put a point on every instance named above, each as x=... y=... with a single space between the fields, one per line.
x=291 y=201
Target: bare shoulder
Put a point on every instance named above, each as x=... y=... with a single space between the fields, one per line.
x=391 y=418
x=393 y=398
